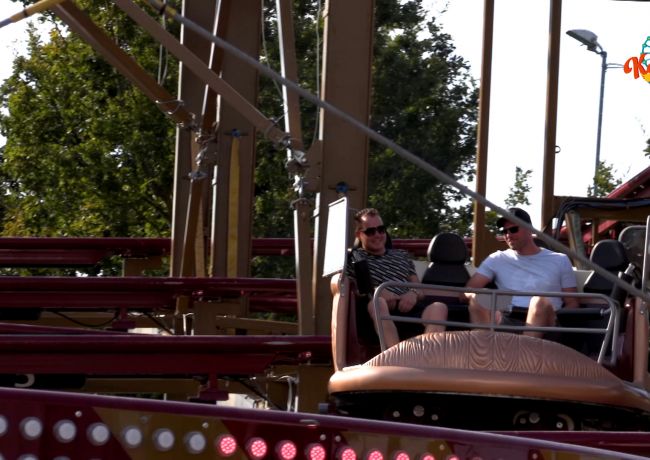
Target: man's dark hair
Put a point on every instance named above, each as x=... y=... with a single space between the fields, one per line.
x=361 y=214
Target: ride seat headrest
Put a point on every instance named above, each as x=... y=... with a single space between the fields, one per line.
x=447 y=248
x=611 y=255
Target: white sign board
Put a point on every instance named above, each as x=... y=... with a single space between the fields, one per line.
x=336 y=243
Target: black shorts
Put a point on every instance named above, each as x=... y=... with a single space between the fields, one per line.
x=366 y=327
x=515 y=317
x=415 y=312
x=407 y=330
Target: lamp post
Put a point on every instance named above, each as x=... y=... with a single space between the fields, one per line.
x=590 y=39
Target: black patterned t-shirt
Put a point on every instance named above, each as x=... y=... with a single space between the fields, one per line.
x=393 y=265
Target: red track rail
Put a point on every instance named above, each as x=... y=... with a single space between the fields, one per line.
x=75 y=252
x=141 y=292
x=151 y=355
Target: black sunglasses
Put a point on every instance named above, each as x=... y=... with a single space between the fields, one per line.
x=512 y=230
x=372 y=230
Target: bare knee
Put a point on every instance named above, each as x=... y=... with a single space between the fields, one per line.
x=541 y=306
x=383 y=308
x=436 y=310
x=541 y=312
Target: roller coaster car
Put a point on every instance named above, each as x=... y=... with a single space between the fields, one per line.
x=489 y=379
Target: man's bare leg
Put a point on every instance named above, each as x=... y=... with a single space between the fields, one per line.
x=437 y=311
x=540 y=313
x=388 y=327
x=478 y=314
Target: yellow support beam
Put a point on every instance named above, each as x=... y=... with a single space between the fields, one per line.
x=233 y=207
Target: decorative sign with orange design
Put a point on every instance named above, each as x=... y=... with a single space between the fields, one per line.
x=640 y=66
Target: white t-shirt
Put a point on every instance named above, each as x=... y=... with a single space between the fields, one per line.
x=546 y=271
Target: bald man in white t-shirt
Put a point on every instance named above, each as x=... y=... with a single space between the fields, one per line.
x=524 y=267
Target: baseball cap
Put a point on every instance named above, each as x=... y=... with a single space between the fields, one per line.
x=518 y=212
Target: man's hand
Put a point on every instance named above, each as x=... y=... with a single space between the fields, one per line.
x=391 y=299
x=476 y=281
x=407 y=301
x=466 y=297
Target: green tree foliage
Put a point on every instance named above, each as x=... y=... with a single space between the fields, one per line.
x=518 y=194
x=605 y=180
x=423 y=98
x=87 y=154
x=274 y=192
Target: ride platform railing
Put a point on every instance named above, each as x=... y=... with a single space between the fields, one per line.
x=498 y=299
x=89 y=251
x=94 y=300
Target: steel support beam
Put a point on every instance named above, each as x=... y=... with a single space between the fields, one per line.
x=186 y=230
x=346 y=83
x=481 y=234
x=83 y=26
x=236 y=138
x=302 y=208
x=548 y=183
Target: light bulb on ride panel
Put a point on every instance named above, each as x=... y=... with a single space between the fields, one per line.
x=98 y=434
x=163 y=439
x=427 y=456
x=346 y=453
x=31 y=427
x=132 y=436
x=256 y=447
x=65 y=431
x=374 y=455
x=315 y=452
x=226 y=445
x=286 y=450
x=195 y=442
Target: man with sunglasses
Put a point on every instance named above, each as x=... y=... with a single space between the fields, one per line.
x=386 y=264
x=524 y=266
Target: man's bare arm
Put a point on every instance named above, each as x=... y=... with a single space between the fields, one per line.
x=476 y=281
x=570 y=302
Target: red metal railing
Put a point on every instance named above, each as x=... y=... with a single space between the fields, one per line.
x=141 y=292
x=66 y=252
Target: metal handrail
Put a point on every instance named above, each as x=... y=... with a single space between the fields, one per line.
x=609 y=335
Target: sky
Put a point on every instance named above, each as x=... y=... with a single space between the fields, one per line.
x=519 y=77
x=519 y=67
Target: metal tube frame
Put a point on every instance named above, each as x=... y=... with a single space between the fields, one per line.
x=608 y=332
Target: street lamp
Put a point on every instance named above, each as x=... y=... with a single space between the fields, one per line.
x=590 y=39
